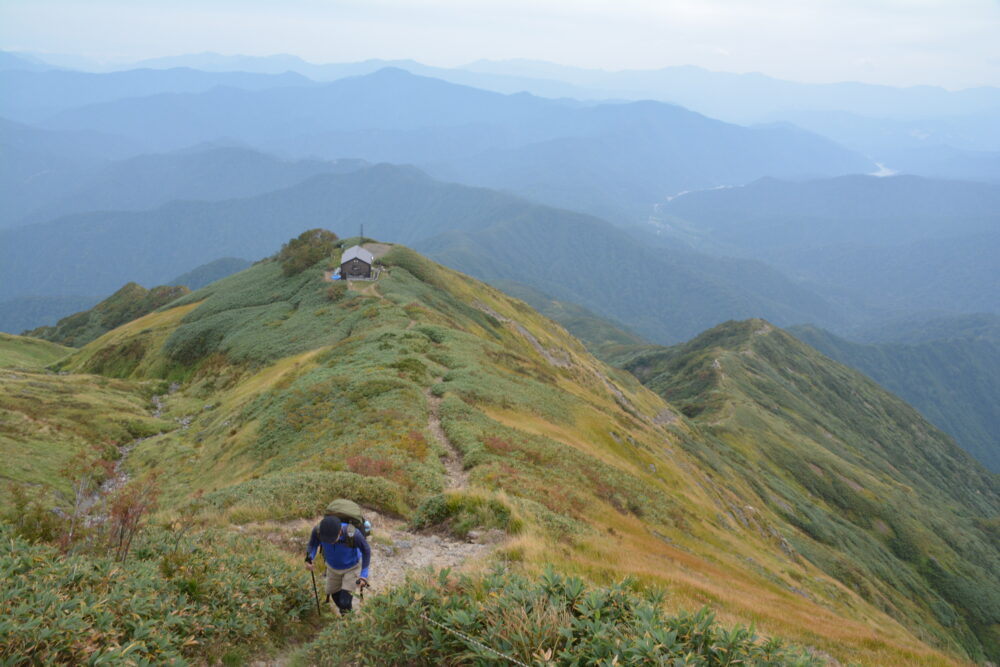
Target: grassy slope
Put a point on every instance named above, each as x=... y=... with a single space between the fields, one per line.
x=46 y=419
x=293 y=393
x=863 y=487
x=29 y=353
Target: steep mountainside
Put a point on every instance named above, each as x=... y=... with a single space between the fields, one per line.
x=665 y=295
x=128 y=303
x=288 y=388
x=868 y=491
x=953 y=381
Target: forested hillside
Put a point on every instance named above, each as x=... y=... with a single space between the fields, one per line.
x=954 y=380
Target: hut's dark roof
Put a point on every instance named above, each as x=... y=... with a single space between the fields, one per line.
x=357 y=252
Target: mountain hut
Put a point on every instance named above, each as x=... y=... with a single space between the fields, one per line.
x=356 y=262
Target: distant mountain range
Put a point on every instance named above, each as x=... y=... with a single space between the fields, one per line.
x=748 y=97
x=751 y=96
x=613 y=160
x=205 y=174
x=31 y=96
x=921 y=130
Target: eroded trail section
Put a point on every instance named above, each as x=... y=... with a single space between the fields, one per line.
x=455 y=473
x=395 y=553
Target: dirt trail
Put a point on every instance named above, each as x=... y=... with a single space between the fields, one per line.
x=395 y=550
x=395 y=553
x=457 y=477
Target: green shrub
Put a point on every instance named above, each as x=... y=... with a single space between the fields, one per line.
x=336 y=291
x=159 y=607
x=296 y=495
x=305 y=250
x=30 y=518
x=461 y=513
x=553 y=620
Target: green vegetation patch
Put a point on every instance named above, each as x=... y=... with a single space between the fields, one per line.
x=552 y=620
x=29 y=353
x=47 y=419
x=296 y=495
x=460 y=512
x=161 y=606
x=261 y=315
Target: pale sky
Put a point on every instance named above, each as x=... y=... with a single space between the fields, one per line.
x=952 y=43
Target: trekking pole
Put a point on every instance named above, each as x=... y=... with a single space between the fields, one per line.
x=316 y=593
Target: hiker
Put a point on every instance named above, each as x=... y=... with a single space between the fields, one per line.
x=345 y=551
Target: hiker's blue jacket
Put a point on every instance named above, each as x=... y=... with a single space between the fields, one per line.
x=338 y=555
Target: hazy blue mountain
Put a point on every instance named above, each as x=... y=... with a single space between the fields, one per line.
x=949 y=275
x=389 y=99
x=901 y=244
x=274 y=64
x=640 y=153
x=81 y=146
x=209 y=61
x=615 y=160
x=103 y=250
x=663 y=295
x=35 y=95
x=22 y=62
x=68 y=61
x=28 y=312
x=953 y=381
x=963 y=147
x=206 y=274
x=922 y=329
x=208 y=174
x=876 y=137
x=946 y=162
x=850 y=209
x=752 y=97
x=41 y=165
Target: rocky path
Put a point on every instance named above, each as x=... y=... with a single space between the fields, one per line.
x=395 y=553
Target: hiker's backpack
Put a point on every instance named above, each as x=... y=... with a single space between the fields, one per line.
x=343 y=511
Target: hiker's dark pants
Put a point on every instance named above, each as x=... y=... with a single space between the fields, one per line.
x=343 y=601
